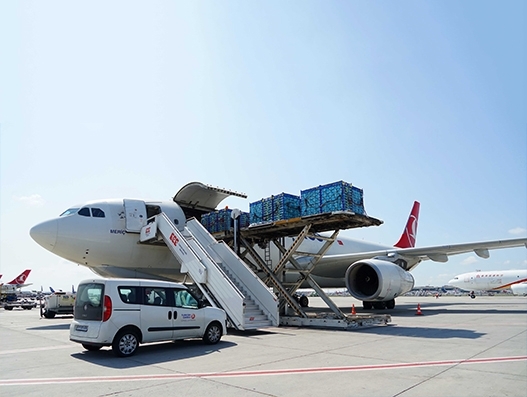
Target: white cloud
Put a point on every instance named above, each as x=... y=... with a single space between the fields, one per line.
x=35 y=200
x=518 y=231
x=469 y=261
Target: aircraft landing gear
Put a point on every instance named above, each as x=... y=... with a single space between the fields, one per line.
x=379 y=305
x=302 y=300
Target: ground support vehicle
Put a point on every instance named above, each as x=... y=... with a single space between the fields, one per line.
x=60 y=303
x=123 y=313
x=26 y=304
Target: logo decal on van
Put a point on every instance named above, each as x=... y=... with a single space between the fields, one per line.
x=188 y=316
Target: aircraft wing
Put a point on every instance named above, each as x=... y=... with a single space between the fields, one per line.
x=439 y=253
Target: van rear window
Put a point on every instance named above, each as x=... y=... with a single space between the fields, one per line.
x=130 y=294
x=89 y=302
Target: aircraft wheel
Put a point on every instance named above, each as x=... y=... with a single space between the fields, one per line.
x=304 y=301
x=49 y=314
x=125 y=343
x=8 y=308
x=390 y=304
x=212 y=334
x=379 y=305
x=367 y=305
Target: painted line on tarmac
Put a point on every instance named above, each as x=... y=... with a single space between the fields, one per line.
x=35 y=349
x=292 y=371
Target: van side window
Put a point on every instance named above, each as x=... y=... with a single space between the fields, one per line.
x=129 y=294
x=183 y=298
x=155 y=296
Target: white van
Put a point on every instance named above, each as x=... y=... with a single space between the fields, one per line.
x=123 y=313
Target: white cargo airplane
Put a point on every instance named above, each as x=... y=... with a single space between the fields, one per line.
x=104 y=236
x=489 y=280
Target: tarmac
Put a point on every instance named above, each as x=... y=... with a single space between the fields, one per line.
x=457 y=347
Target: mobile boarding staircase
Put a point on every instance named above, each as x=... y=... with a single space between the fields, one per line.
x=224 y=279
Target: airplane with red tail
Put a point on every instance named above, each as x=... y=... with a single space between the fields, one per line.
x=103 y=236
x=17 y=283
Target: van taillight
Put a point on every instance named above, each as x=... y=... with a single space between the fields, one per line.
x=107 y=309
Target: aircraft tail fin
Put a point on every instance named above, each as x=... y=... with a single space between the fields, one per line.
x=51 y=290
x=407 y=239
x=22 y=277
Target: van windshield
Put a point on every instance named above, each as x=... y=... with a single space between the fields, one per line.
x=88 y=302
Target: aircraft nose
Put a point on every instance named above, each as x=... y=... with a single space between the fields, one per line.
x=45 y=234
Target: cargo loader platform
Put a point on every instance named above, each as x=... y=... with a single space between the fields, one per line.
x=328 y=221
x=293 y=261
x=334 y=321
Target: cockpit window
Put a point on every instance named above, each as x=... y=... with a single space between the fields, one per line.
x=69 y=212
x=84 y=211
x=97 y=213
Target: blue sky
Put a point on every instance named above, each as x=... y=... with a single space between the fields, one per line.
x=409 y=100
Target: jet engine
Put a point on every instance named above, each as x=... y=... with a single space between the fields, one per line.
x=375 y=280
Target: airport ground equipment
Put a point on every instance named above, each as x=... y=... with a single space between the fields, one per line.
x=223 y=278
x=301 y=264
x=26 y=304
x=233 y=278
x=58 y=303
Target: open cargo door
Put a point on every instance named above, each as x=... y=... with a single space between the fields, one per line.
x=196 y=198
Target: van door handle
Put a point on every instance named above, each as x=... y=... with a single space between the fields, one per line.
x=169 y=315
x=175 y=314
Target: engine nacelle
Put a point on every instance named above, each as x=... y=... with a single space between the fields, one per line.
x=377 y=280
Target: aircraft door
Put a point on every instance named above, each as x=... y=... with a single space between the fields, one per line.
x=135 y=212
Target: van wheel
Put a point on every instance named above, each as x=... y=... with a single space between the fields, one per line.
x=92 y=348
x=212 y=334
x=125 y=343
x=49 y=314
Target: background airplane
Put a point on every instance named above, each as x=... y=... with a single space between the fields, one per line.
x=103 y=236
x=17 y=283
x=489 y=280
x=519 y=289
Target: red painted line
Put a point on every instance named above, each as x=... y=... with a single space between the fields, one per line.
x=272 y=372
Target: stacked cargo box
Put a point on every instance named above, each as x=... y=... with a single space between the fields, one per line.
x=245 y=220
x=221 y=221
x=275 y=208
x=206 y=221
x=337 y=196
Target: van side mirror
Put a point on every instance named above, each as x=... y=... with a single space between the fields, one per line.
x=203 y=303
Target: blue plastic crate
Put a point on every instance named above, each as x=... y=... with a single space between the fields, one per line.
x=244 y=220
x=256 y=212
x=275 y=208
x=224 y=222
x=337 y=196
x=285 y=206
x=205 y=221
